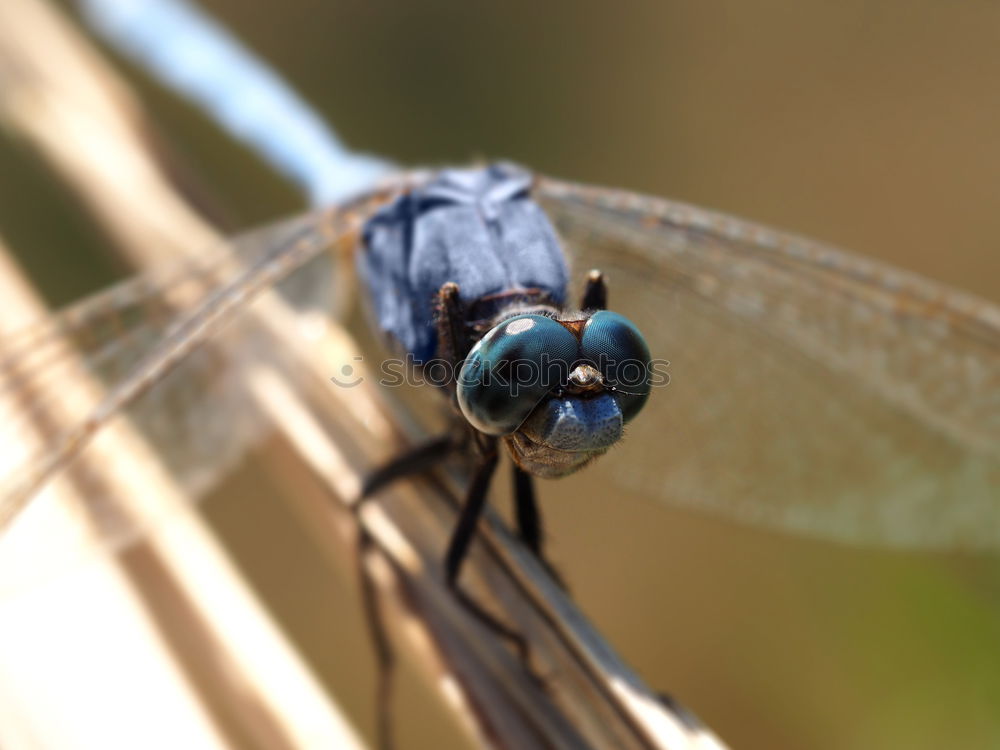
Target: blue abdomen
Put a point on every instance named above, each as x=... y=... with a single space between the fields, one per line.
x=477 y=228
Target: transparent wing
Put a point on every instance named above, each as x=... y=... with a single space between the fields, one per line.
x=809 y=390
x=138 y=353
x=109 y=332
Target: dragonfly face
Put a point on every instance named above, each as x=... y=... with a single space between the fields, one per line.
x=558 y=386
x=558 y=389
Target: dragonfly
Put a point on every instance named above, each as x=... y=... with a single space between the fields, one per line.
x=810 y=390
x=556 y=385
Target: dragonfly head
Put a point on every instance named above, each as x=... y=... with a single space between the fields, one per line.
x=559 y=391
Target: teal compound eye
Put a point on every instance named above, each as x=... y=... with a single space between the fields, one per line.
x=513 y=367
x=613 y=344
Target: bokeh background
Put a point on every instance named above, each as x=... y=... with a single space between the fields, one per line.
x=875 y=126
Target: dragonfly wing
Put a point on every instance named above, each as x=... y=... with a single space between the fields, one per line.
x=809 y=390
x=141 y=348
x=111 y=330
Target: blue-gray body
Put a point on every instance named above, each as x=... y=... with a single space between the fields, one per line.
x=477 y=228
x=480 y=230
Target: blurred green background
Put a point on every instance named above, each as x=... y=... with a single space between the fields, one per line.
x=875 y=126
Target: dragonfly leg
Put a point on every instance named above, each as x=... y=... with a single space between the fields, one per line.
x=385 y=657
x=595 y=293
x=458 y=548
x=415 y=461
x=472 y=509
x=529 y=520
x=418 y=459
x=453 y=339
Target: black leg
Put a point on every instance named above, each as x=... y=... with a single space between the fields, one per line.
x=417 y=460
x=529 y=521
x=458 y=549
x=472 y=509
x=453 y=339
x=595 y=293
x=385 y=657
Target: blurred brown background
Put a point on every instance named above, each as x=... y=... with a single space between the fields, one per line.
x=875 y=126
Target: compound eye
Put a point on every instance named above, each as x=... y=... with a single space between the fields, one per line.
x=513 y=367
x=613 y=344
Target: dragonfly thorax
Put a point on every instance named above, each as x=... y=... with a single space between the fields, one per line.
x=477 y=229
x=466 y=268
